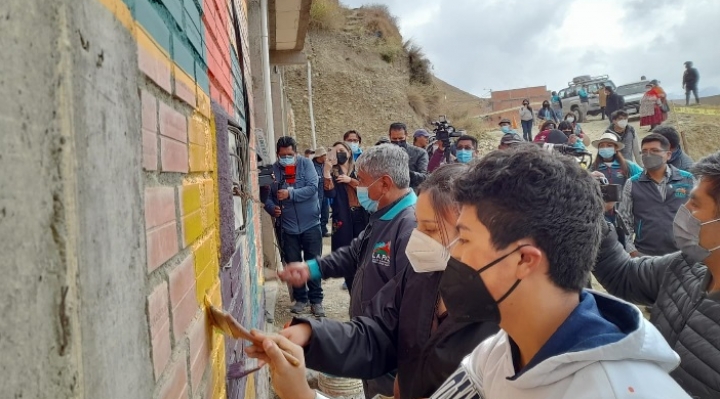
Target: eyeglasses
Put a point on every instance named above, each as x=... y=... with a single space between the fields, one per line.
x=653 y=151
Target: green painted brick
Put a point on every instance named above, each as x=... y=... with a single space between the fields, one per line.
x=195 y=38
x=201 y=76
x=175 y=8
x=150 y=16
x=183 y=54
x=192 y=14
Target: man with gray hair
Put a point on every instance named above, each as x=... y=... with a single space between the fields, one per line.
x=378 y=253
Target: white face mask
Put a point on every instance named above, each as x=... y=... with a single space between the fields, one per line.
x=571 y=119
x=425 y=254
x=622 y=123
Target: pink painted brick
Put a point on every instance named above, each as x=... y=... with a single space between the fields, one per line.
x=173 y=156
x=182 y=280
x=173 y=124
x=184 y=313
x=185 y=93
x=162 y=244
x=159 y=206
x=176 y=385
x=149 y=111
x=154 y=69
x=199 y=352
x=159 y=328
x=150 y=150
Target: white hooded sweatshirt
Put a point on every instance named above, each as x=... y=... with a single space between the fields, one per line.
x=630 y=360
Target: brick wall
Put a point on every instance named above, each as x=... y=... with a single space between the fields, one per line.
x=185 y=53
x=505 y=99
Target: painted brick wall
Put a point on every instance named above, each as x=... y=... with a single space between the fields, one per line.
x=185 y=51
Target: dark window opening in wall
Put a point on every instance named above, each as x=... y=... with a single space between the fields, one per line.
x=238 y=146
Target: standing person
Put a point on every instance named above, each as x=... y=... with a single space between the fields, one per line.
x=584 y=102
x=650 y=112
x=349 y=218
x=691 y=77
x=527 y=118
x=557 y=107
x=421 y=138
x=319 y=162
x=466 y=148
x=621 y=127
x=294 y=199
x=651 y=199
x=353 y=139
x=613 y=102
x=664 y=106
x=679 y=158
x=683 y=288
x=506 y=126
x=602 y=97
x=546 y=114
x=418 y=158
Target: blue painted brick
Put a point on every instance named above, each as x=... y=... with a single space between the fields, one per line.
x=196 y=39
x=201 y=77
x=175 y=9
x=192 y=14
x=149 y=15
x=183 y=55
x=130 y=4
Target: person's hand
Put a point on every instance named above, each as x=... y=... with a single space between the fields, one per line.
x=327 y=169
x=298 y=334
x=343 y=179
x=295 y=273
x=572 y=139
x=277 y=212
x=283 y=195
x=634 y=254
x=288 y=381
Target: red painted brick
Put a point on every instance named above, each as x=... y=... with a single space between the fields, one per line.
x=173 y=156
x=149 y=111
x=185 y=93
x=159 y=328
x=150 y=150
x=184 y=313
x=176 y=385
x=156 y=70
x=173 y=124
x=159 y=206
x=182 y=281
x=162 y=244
x=199 y=352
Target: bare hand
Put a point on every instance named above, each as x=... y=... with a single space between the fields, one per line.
x=634 y=254
x=343 y=179
x=572 y=139
x=327 y=169
x=283 y=195
x=289 y=381
x=298 y=334
x=295 y=273
x=277 y=212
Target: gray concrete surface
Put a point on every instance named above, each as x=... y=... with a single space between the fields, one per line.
x=72 y=295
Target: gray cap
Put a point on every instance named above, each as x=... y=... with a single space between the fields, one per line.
x=511 y=138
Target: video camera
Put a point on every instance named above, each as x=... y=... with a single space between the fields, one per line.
x=583 y=157
x=610 y=192
x=444 y=131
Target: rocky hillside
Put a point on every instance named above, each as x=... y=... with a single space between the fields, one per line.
x=365 y=76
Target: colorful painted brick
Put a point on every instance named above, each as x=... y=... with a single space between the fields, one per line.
x=182 y=297
x=173 y=155
x=173 y=123
x=159 y=321
x=175 y=387
x=159 y=206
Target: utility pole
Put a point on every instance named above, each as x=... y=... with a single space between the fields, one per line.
x=310 y=104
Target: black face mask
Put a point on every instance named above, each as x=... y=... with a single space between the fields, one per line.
x=465 y=295
x=342 y=157
x=402 y=144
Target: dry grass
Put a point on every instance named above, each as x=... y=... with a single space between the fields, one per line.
x=424 y=100
x=418 y=64
x=379 y=22
x=326 y=15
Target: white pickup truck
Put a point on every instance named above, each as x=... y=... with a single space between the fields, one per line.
x=632 y=94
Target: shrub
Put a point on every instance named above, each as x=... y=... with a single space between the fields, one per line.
x=390 y=50
x=418 y=64
x=423 y=99
x=379 y=22
x=326 y=15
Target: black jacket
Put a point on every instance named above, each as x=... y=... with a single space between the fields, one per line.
x=690 y=78
x=613 y=103
x=418 y=165
x=396 y=335
x=681 y=309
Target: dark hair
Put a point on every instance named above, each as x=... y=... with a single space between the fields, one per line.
x=471 y=138
x=618 y=114
x=398 y=126
x=566 y=125
x=609 y=88
x=544 y=125
x=349 y=132
x=708 y=169
x=664 y=143
x=617 y=157
x=286 y=141
x=554 y=202
x=670 y=134
x=439 y=186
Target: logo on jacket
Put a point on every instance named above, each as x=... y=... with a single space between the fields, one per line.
x=680 y=192
x=381 y=254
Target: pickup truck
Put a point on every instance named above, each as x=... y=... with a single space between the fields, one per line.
x=571 y=101
x=632 y=93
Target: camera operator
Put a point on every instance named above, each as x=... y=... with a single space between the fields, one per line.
x=418 y=161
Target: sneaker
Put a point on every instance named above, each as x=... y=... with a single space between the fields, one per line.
x=298 y=307
x=317 y=309
x=344 y=287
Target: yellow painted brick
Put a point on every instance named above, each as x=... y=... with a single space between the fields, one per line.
x=218 y=367
x=198 y=158
x=203 y=101
x=204 y=253
x=209 y=218
x=148 y=43
x=208 y=191
x=191 y=200
x=192 y=224
x=250 y=387
x=199 y=129
x=207 y=278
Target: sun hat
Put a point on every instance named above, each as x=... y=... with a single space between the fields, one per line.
x=609 y=137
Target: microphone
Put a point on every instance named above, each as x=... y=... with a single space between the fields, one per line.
x=290 y=174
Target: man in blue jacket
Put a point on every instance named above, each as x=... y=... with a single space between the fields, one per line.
x=294 y=200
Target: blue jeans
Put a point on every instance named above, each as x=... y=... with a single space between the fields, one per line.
x=527 y=130
x=305 y=246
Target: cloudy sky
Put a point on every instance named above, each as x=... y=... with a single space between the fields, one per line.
x=478 y=45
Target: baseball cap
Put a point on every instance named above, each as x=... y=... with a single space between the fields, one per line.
x=505 y=120
x=421 y=133
x=511 y=138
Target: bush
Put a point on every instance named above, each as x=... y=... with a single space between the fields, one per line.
x=423 y=99
x=379 y=22
x=390 y=50
x=326 y=15
x=418 y=64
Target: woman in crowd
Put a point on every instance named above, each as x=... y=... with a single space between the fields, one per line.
x=664 y=106
x=573 y=139
x=354 y=141
x=546 y=114
x=557 y=106
x=409 y=329
x=527 y=117
x=545 y=129
x=577 y=128
x=650 y=106
x=348 y=217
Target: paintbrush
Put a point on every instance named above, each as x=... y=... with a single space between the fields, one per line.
x=229 y=326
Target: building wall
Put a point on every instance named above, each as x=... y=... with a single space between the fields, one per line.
x=505 y=99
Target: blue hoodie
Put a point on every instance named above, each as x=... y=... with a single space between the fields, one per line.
x=301 y=211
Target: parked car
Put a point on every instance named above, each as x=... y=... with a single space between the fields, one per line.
x=632 y=93
x=571 y=101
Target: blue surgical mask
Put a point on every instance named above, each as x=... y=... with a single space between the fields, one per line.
x=505 y=129
x=366 y=202
x=607 y=152
x=355 y=147
x=464 y=156
x=287 y=160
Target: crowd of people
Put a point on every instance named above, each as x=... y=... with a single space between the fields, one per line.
x=468 y=276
